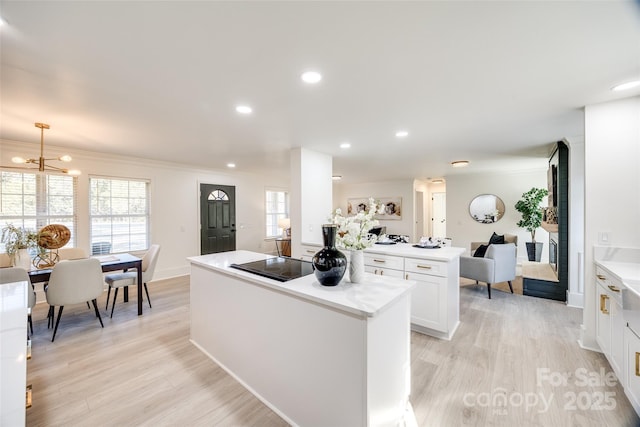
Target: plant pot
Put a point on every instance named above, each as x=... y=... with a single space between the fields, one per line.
x=329 y=264
x=22 y=259
x=534 y=251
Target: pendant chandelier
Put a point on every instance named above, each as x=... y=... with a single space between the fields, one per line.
x=41 y=161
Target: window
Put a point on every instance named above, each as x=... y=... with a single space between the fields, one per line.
x=277 y=208
x=33 y=200
x=119 y=215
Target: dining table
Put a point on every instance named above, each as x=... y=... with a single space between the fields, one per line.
x=112 y=262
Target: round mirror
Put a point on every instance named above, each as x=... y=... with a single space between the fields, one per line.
x=486 y=208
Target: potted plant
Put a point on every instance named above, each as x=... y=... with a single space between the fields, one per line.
x=529 y=207
x=17 y=242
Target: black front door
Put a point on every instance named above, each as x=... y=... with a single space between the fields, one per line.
x=217 y=218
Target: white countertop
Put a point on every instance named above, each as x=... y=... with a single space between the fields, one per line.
x=627 y=272
x=408 y=250
x=363 y=299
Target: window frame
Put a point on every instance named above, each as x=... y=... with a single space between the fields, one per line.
x=278 y=214
x=109 y=237
x=42 y=203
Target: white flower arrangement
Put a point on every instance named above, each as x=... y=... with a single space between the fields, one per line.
x=353 y=231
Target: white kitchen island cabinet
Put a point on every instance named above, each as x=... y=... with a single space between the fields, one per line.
x=435 y=301
x=318 y=356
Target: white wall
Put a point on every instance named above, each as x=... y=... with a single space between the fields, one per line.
x=174 y=201
x=612 y=189
x=509 y=186
x=403 y=189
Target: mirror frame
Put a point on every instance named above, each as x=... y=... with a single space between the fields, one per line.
x=480 y=208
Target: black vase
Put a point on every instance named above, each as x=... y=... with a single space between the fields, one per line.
x=329 y=264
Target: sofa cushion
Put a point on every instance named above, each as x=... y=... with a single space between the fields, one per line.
x=479 y=253
x=496 y=239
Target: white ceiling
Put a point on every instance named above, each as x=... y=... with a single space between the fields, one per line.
x=491 y=82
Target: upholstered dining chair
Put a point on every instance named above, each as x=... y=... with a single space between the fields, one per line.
x=498 y=265
x=130 y=277
x=17 y=274
x=74 y=282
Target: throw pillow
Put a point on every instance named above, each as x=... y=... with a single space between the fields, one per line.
x=482 y=249
x=496 y=239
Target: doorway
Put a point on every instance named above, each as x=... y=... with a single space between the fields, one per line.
x=419 y=230
x=217 y=218
x=439 y=217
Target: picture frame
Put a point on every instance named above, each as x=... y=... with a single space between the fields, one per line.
x=393 y=207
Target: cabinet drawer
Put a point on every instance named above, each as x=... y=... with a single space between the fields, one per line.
x=308 y=251
x=606 y=280
x=381 y=271
x=422 y=266
x=386 y=261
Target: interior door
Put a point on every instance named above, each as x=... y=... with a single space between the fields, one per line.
x=419 y=215
x=217 y=218
x=439 y=218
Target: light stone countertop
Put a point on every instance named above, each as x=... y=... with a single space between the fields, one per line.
x=408 y=250
x=363 y=299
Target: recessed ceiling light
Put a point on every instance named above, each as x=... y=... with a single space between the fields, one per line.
x=244 y=109
x=311 y=77
x=402 y=133
x=627 y=85
x=336 y=177
x=460 y=163
x=345 y=145
x=231 y=165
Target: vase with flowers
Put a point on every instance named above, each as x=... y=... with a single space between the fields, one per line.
x=17 y=243
x=353 y=235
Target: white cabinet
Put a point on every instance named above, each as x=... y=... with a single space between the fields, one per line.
x=632 y=368
x=308 y=251
x=384 y=265
x=610 y=323
x=435 y=299
x=13 y=353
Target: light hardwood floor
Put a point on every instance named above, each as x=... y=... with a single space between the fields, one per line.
x=144 y=371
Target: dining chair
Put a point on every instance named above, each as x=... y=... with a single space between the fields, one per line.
x=130 y=277
x=17 y=274
x=74 y=282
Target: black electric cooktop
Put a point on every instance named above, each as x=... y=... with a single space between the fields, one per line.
x=279 y=268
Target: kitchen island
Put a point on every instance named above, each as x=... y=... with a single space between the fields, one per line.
x=317 y=356
x=435 y=301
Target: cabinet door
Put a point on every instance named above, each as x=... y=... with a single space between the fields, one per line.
x=308 y=252
x=632 y=371
x=429 y=301
x=617 y=337
x=603 y=320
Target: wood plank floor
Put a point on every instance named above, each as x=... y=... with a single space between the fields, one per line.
x=141 y=371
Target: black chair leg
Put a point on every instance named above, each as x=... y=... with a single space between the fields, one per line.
x=95 y=306
x=50 y=315
x=30 y=325
x=510 y=287
x=57 y=321
x=489 y=289
x=108 y=295
x=115 y=295
x=147 y=292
